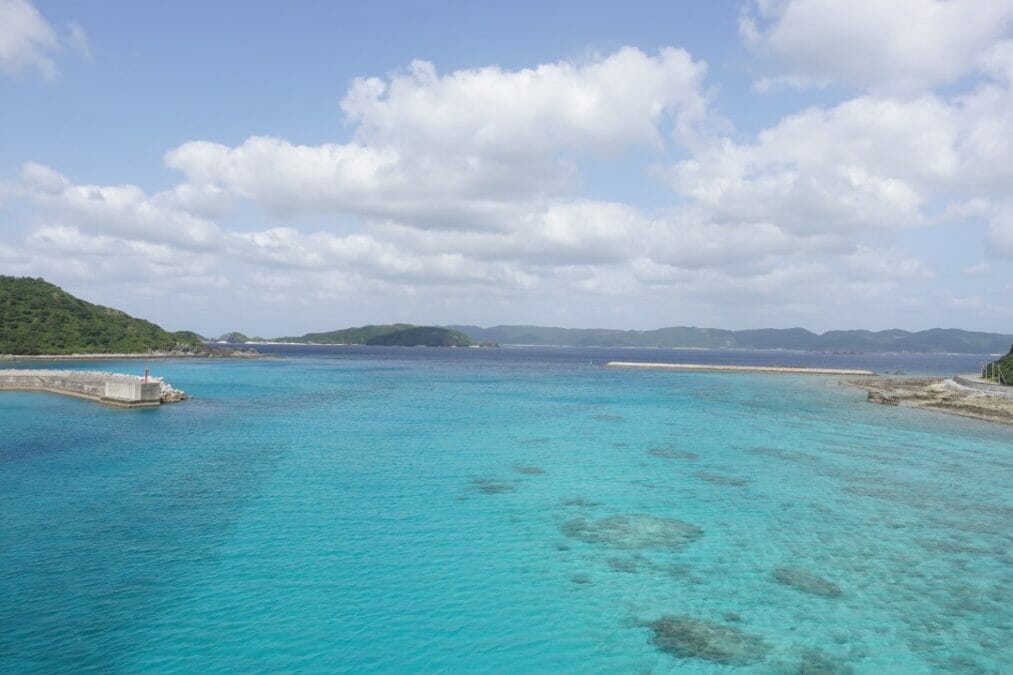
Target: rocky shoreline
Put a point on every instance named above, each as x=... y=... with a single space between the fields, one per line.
x=209 y=352
x=944 y=395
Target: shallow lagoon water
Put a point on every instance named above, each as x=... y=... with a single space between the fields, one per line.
x=503 y=510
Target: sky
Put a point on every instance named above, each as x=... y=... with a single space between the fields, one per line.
x=285 y=167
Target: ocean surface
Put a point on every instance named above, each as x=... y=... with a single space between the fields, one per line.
x=504 y=510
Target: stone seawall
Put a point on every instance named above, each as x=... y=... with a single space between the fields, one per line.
x=786 y=370
x=111 y=388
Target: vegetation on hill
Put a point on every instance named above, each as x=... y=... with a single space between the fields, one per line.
x=936 y=340
x=429 y=336
x=235 y=337
x=347 y=336
x=38 y=318
x=1001 y=370
x=394 y=334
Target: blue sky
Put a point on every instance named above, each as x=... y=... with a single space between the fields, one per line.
x=286 y=167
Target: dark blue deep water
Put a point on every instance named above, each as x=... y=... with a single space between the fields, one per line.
x=513 y=510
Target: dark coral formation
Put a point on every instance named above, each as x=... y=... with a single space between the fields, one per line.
x=718 y=479
x=581 y=503
x=807 y=582
x=626 y=565
x=815 y=662
x=491 y=487
x=672 y=453
x=632 y=532
x=690 y=638
x=789 y=455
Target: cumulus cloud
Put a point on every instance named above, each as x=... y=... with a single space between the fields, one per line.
x=471 y=149
x=29 y=42
x=463 y=190
x=118 y=209
x=602 y=105
x=899 y=46
x=866 y=163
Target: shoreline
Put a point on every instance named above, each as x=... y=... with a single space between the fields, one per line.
x=944 y=395
x=222 y=354
x=704 y=367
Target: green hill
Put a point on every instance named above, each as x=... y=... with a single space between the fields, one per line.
x=38 y=318
x=347 y=336
x=235 y=337
x=1001 y=370
x=428 y=336
x=392 y=334
x=936 y=340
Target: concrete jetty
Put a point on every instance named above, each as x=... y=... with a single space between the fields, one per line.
x=129 y=391
x=788 y=370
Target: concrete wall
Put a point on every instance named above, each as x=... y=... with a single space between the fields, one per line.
x=105 y=387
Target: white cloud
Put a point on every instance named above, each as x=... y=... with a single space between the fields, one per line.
x=866 y=163
x=463 y=190
x=124 y=210
x=473 y=149
x=898 y=45
x=27 y=41
x=981 y=269
x=602 y=105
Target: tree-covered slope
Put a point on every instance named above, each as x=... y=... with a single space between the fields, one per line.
x=347 y=336
x=37 y=317
x=236 y=337
x=428 y=336
x=1001 y=370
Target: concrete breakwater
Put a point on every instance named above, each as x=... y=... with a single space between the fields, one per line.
x=790 y=370
x=117 y=389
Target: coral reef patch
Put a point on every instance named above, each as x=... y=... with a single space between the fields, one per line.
x=689 y=638
x=672 y=453
x=807 y=582
x=633 y=532
x=719 y=479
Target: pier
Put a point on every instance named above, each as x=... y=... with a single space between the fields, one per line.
x=787 y=370
x=128 y=391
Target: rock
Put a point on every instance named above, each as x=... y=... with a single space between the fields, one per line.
x=876 y=397
x=689 y=638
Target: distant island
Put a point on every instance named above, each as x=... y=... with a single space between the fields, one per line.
x=933 y=341
x=387 y=335
x=38 y=318
x=936 y=340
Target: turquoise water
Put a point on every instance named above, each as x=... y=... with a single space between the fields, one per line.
x=399 y=511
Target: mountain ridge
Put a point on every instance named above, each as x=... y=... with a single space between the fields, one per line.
x=934 y=340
